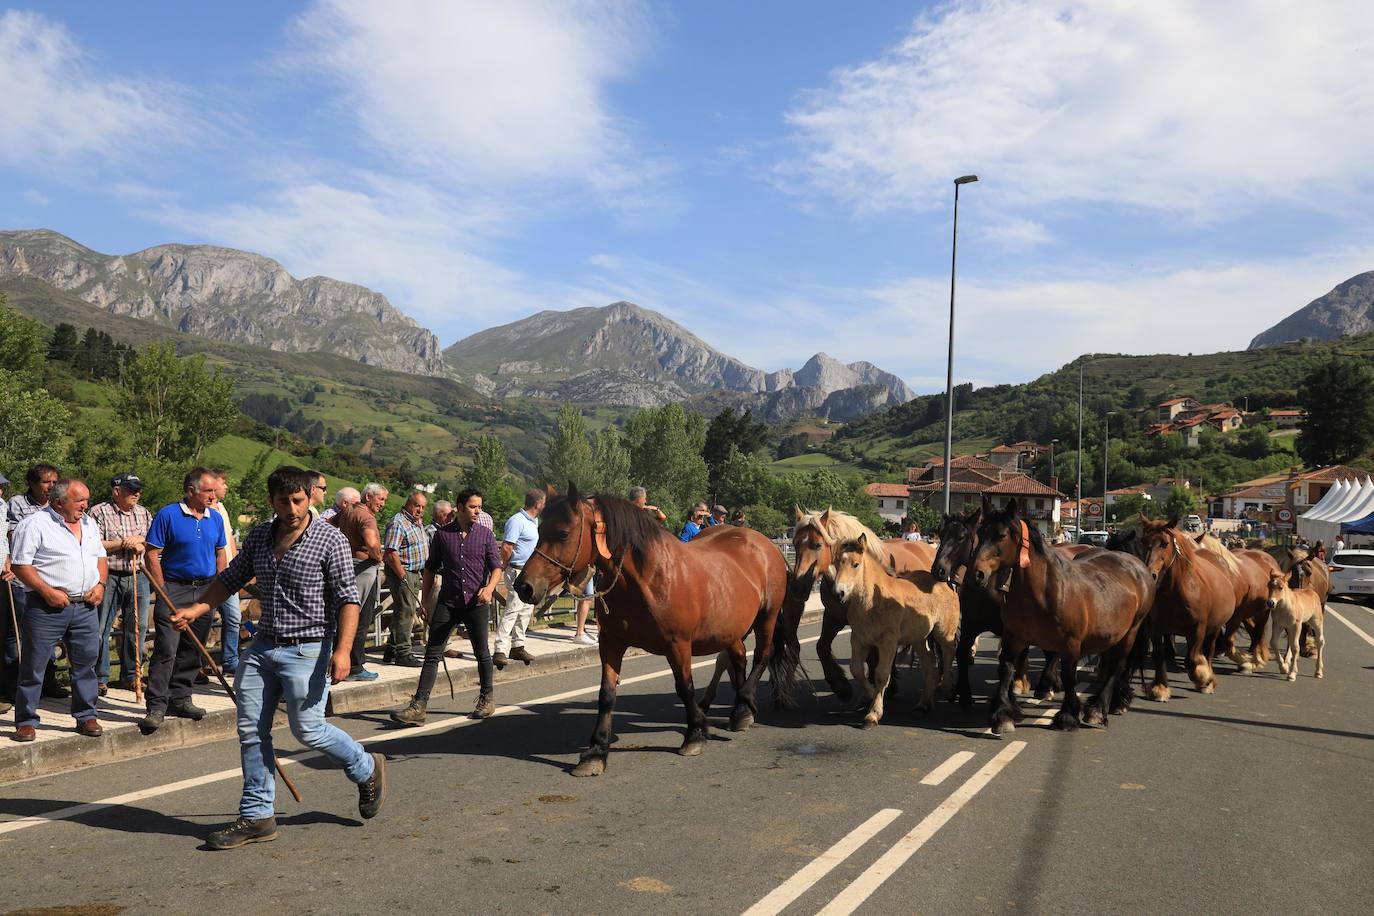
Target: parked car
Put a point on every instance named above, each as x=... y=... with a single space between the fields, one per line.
x=1352 y=573
x=1193 y=523
x=1095 y=538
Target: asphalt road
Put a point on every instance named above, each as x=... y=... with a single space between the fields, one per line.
x=1254 y=800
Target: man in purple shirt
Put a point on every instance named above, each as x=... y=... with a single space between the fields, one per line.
x=465 y=554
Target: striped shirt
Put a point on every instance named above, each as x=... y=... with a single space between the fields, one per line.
x=302 y=593
x=114 y=524
x=407 y=540
x=20 y=508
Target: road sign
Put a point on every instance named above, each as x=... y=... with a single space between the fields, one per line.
x=1284 y=516
x=1094 y=508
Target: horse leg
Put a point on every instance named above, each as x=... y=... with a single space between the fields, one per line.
x=947 y=646
x=1071 y=712
x=858 y=665
x=1110 y=665
x=745 y=701
x=1209 y=674
x=1227 y=644
x=1282 y=657
x=1294 y=648
x=1258 y=648
x=680 y=660
x=1197 y=665
x=708 y=696
x=1022 y=683
x=963 y=688
x=1049 y=678
x=1159 y=689
x=929 y=676
x=1002 y=718
x=1319 y=643
x=593 y=762
x=882 y=673
x=831 y=624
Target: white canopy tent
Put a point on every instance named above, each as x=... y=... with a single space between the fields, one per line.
x=1333 y=497
x=1355 y=502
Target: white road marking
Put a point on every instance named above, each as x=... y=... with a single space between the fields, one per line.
x=1354 y=629
x=849 y=899
x=822 y=865
x=66 y=814
x=946 y=769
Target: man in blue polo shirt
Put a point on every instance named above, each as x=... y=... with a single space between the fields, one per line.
x=185 y=550
x=517 y=543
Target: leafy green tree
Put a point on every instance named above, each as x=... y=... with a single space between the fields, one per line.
x=729 y=431
x=745 y=480
x=766 y=519
x=1130 y=505
x=33 y=425
x=23 y=344
x=1338 y=396
x=174 y=406
x=570 y=454
x=205 y=409
x=927 y=518
x=795 y=444
x=665 y=456
x=62 y=346
x=1181 y=502
x=611 y=459
x=488 y=470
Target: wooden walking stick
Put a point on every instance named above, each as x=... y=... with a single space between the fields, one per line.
x=138 y=638
x=14 y=619
x=209 y=660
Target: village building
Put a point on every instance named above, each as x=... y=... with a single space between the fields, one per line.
x=972 y=478
x=893 y=500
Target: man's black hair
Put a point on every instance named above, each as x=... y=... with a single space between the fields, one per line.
x=289 y=479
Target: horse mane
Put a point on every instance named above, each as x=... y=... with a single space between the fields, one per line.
x=845 y=527
x=1210 y=542
x=627 y=525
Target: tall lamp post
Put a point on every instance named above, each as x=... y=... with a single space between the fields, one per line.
x=1052 y=442
x=1106 y=438
x=949 y=363
x=1078 y=487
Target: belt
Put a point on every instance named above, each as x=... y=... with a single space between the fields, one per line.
x=291 y=640
x=116 y=572
x=206 y=581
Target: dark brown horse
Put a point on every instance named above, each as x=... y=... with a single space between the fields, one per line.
x=1194 y=598
x=814 y=538
x=1091 y=604
x=980 y=610
x=669 y=598
x=1250 y=571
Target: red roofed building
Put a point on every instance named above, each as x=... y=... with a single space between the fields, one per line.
x=893 y=500
x=971 y=481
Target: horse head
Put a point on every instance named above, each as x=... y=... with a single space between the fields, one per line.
x=811 y=551
x=958 y=541
x=1157 y=544
x=1004 y=542
x=848 y=568
x=1277 y=586
x=567 y=547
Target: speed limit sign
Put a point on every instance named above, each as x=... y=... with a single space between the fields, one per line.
x=1284 y=516
x=1094 y=508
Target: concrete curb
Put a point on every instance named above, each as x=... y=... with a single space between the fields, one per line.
x=25 y=761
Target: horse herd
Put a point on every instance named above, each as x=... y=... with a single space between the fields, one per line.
x=993 y=572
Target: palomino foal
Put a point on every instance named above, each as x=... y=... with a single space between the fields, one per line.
x=1291 y=605
x=886 y=612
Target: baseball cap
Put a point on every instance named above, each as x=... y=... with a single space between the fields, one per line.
x=4 y=481
x=128 y=481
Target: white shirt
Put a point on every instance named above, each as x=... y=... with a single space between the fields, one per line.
x=43 y=541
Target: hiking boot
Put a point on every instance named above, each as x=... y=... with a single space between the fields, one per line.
x=409 y=661
x=499 y=660
x=484 y=708
x=186 y=710
x=242 y=832
x=151 y=722
x=372 y=793
x=389 y=654
x=413 y=714
x=521 y=654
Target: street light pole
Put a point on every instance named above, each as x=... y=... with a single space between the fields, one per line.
x=1052 y=442
x=949 y=363
x=1078 y=487
x=1106 y=439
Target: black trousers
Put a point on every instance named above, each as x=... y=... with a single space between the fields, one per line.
x=446 y=617
x=368 y=574
x=176 y=661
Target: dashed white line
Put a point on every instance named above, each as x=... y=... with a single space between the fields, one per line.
x=849 y=899
x=946 y=769
x=822 y=865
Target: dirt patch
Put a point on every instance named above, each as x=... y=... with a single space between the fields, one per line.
x=646 y=885
x=558 y=799
x=78 y=909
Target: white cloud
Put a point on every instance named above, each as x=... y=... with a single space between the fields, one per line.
x=1171 y=105
x=57 y=110
x=1013 y=232
x=477 y=91
x=36 y=197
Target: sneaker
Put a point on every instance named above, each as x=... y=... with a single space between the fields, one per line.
x=186 y=710
x=413 y=714
x=521 y=654
x=484 y=708
x=409 y=661
x=372 y=793
x=389 y=654
x=362 y=674
x=584 y=639
x=151 y=722
x=242 y=832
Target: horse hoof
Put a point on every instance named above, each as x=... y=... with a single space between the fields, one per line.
x=1043 y=694
x=1094 y=717
x=741 y=723
x=1159 y=693
x=868 y=722
x=1064 y=722
x=1293 y=676
x=1207 y=688
x=1318 y=675
x=692 y=748
x=591 y=766
x=1002 y=724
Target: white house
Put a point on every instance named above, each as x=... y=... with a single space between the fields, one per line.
x=893 y=500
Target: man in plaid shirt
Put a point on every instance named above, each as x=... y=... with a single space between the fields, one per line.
x=123 y=529
x=309 y=615
x=404 y=552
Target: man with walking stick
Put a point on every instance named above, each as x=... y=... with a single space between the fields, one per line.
x=404 y=552
x=309 y=615
x=123 y=529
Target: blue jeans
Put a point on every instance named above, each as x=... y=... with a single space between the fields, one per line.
x=43 y=627
x=230 y=619
x=119 y=602
x=267 y=673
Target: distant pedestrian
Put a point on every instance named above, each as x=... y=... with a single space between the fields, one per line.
x=319 y=489
x=1338 y=545
x=1319 y=551
x=517 y=545
x=697 y=521
x=347 y=496
x=59 y=558
x=582 y=610
x=124 y=525
x=640 y=497
x=912 y=533
x=186 y=549
x=467 y=556
x=719 y=516
x=439 y=516
x=309 y=612
x=404 y=552
x=358 y=523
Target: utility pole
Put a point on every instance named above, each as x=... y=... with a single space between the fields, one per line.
x=1078 y=488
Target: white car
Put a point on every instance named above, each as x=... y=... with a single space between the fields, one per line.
x=1352 y=573
x=1094 y=538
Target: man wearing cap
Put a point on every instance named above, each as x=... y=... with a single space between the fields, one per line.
x=124 y=527
x=58 y=556
x=185 y=551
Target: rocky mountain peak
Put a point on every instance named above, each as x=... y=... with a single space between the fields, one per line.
x=1347 y=309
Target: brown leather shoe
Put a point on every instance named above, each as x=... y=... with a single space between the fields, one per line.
x=24 y=733
x=521 y=654
x=90 y=728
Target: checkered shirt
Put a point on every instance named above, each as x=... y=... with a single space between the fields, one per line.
x=408 y=540
x=115 y=524
x=301 y=594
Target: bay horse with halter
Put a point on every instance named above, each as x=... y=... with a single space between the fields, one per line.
x=814 y=539
x=1091 y=604
x=981 y=610
x=668 y=598
x=1250 y=571
x=1194 y=598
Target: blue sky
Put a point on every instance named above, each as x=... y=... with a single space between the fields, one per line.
x=1156 y=176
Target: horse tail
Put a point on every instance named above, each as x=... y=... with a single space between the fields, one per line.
x=785 y=664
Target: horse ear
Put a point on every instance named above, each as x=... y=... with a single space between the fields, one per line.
x=863 y=540
x=572 y=492
x=987 y=505
x=1013 y=509
x=1174 y=519
x=825 y=516
x=800 y=514
x=549 y=491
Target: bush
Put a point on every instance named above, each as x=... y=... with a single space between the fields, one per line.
x=766 y=520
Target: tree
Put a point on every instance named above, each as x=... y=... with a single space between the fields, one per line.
x=611 y=459
x=33 y=425
x=1181 y=503
x=205 y=409
x=744 y=481
x=927 y=518
x=665 y=456
x=488 y=469
x=23 y=344
x=570 y=455
x=795 y=444
x=174 y=406
x=766 y=519
x=728 y=431
x=62 y=347
x=1132 y=504
x=1338 y=396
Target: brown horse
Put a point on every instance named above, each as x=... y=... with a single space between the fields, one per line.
x=1194 y=598
x=669 y=598
x=1294 y=606
x=1250 y=571
x=1091 y=604
x=814 y=538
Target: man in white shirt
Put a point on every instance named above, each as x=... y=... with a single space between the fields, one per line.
x=57 y=553
x=230 y=616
